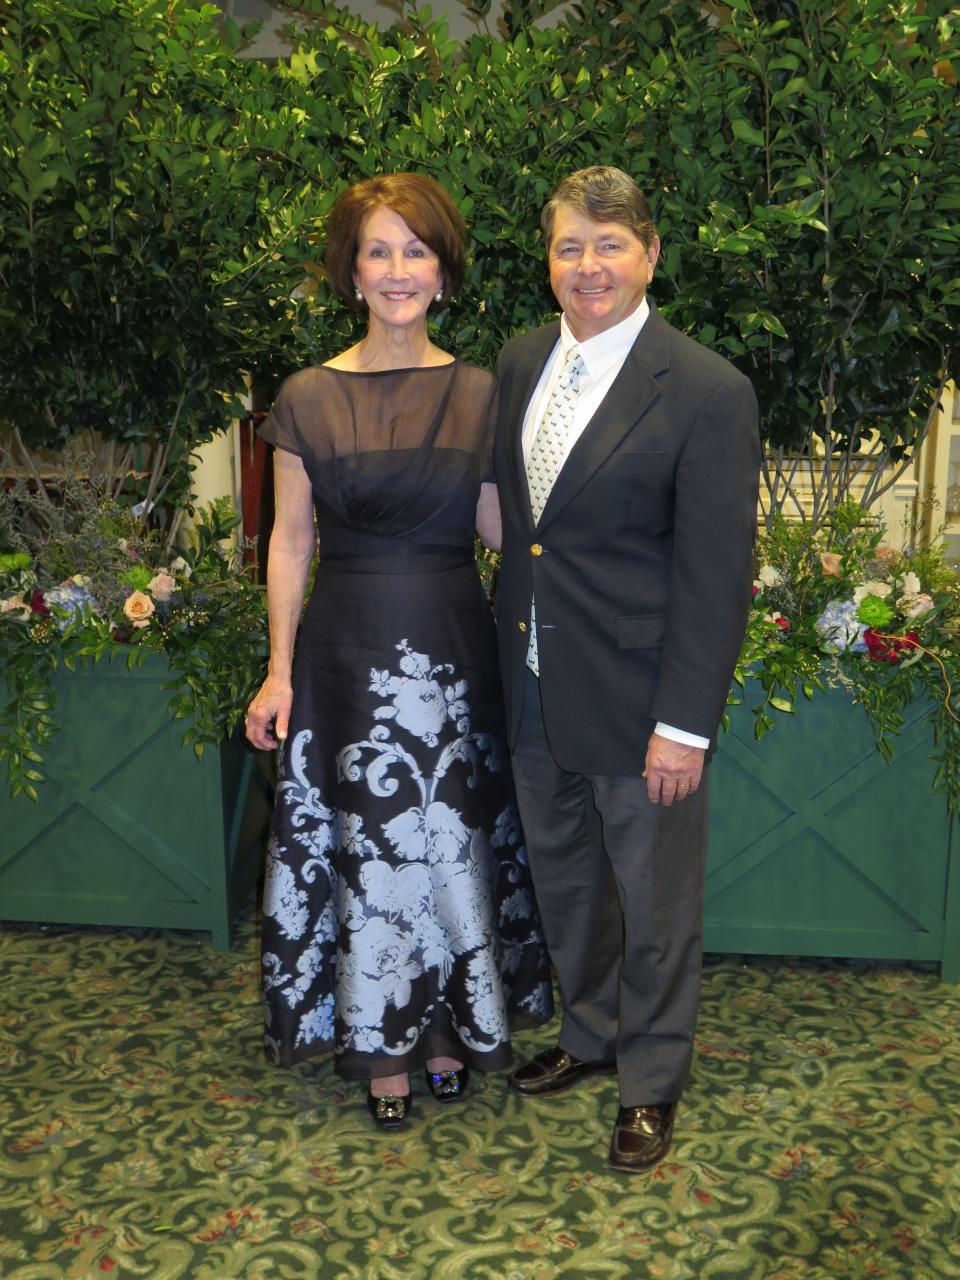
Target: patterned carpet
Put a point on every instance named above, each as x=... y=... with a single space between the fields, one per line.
x=143 y=1135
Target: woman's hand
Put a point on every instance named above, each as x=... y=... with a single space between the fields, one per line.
x=273 y=700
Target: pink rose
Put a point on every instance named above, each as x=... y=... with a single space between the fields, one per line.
x=162 y=586
x=138 y=607
x=17 y=604
x=883 y=557
x=830 y=563
x=918 y=604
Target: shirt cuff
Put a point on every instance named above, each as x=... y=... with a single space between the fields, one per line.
x=681 y=735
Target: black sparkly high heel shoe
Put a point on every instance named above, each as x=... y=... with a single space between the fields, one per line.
x=448 y=1086
x=390 y=1111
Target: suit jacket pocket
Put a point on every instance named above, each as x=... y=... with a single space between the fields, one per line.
x=645 y=632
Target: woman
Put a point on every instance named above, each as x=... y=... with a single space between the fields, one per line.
x=399 y=924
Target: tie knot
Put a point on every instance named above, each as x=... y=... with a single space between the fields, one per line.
x=573 y=368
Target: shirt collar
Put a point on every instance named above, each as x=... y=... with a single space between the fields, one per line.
x=601 y=352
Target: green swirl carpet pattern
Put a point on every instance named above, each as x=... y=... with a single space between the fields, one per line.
x=143 y=1135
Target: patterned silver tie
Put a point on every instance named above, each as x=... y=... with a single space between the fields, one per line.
x=546 y=457
x=550 y=442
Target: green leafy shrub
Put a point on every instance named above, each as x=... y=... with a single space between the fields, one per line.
x=162 y=203
x=802 y=161
x=123 y=192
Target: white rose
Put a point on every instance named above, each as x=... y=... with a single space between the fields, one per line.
x=768 y=575
x=875 y=588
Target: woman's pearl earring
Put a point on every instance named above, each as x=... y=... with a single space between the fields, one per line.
x=438 y=296
x=359 y=294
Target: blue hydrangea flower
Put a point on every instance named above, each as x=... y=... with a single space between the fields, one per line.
x=66 y=602
x=839 y=629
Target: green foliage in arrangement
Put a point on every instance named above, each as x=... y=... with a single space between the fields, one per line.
x=835 y=605
x=82 y=580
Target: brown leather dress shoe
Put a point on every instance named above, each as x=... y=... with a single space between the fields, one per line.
x=642 y=1136
x=552 y=1071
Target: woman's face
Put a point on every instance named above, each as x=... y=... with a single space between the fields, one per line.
x=396 y=272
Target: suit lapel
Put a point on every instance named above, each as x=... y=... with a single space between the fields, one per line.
x=635 y=390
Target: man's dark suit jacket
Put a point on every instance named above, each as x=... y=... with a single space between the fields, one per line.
x=642 y=561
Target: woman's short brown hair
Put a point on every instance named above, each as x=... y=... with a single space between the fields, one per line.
x=423 y=205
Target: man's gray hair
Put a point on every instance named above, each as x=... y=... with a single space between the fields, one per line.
x=605 y=194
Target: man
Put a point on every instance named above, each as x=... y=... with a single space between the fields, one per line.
x=627 y=459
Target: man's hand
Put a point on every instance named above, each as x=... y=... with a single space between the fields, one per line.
x=672 y=770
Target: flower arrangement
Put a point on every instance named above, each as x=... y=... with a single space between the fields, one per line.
x=834 y=605
x=82 y=579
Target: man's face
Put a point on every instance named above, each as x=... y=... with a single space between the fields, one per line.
x=599 y=271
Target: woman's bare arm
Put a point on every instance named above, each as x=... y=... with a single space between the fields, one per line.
x=288 y=562
x=488 y=517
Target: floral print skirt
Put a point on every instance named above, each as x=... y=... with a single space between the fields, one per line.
x=399 y=921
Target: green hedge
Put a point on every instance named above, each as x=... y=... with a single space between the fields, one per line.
x=162 y=201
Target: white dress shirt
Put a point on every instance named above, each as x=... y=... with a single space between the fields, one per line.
x=603 y=356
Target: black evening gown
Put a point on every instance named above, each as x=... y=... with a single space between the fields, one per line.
x=399 y=921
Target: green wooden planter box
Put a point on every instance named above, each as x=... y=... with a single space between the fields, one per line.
x=130 y=828
x=819 y=848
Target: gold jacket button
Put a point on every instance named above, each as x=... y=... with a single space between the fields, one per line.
x=521 y=626
x=536 y=549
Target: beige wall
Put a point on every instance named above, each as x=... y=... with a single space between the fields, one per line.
x=217 y=471
x=270 y=43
